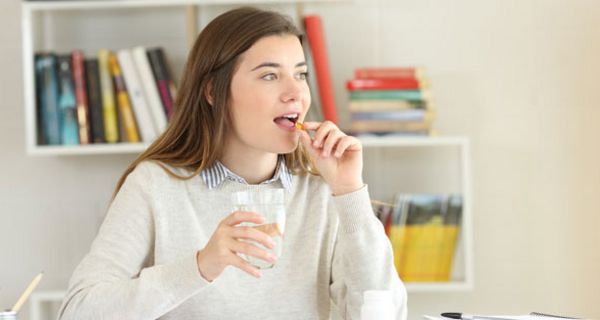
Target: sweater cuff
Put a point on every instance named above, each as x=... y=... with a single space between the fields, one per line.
x=354 y=209
x=182 y=278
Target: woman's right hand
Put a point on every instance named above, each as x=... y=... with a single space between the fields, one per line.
x=226 y=243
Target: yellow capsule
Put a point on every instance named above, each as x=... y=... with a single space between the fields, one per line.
x=299 y=125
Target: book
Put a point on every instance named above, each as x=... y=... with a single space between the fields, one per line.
x=94 y=100
x=409 y=95
x=403 y=115
x=47 y=92
x=83 y=114
x=424 y=235
x=109 y=109
x=316 y=40
x=69 y=134
x=142 y=64
x=387 y=105
x=390 y=73
x=164 y=80
x=386 y=84
x=126 y=117
x=136 y=96
x=389 y=126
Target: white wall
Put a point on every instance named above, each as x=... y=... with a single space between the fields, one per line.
x=519 y=77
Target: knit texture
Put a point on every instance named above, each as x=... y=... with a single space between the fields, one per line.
x=142 y=264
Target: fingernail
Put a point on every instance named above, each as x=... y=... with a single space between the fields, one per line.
x=258 y=274
x=272 y=258
x=316 y=143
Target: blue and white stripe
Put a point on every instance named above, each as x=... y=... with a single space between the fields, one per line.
x=217 y=173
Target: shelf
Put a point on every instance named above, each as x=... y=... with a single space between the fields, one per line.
x=118 y=148
x=400 y=141
x=438 y=287
x=96 y=4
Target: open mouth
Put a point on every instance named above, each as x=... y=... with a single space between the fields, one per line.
x=287 y=120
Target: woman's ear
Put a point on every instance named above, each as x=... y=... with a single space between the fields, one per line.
x=208 y=93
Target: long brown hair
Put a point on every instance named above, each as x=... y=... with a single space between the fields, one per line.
x=194 y=138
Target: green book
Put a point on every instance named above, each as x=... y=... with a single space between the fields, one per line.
x=411 y=95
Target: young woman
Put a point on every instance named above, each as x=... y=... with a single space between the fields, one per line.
x=170 y=245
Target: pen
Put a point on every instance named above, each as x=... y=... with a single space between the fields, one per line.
x=458 y=315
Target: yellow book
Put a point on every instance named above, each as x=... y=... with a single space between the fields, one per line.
x=123 y=104
x=109 y=109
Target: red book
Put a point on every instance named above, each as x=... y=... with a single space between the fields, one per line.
x=383 y=84
x=83 y=113
x=389 y=73
x=316 y=40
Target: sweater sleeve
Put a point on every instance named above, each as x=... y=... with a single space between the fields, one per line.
x=362 y=258
x=117 y=278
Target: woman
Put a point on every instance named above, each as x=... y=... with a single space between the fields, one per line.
x=170 y=246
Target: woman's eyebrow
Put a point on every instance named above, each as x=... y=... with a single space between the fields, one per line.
x=276 y=65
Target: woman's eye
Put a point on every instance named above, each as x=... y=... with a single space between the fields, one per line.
x=270 y=76
x=303 y=75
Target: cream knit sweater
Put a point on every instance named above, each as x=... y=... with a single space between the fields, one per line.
x=142 y=264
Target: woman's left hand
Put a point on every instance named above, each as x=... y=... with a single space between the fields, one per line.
x=337 y=156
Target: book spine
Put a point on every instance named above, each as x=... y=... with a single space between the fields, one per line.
x=389 y=73
x=385 y=105
x=157 y=111
x=83 y=117
x=48 y=111
x=125 y=111
x=136 y=94
x=384 y=84
x=67 y=102
x=390 y=126
x=109 y=110
x=316 y=39
x=94 y=100
x=409 y=95
x=162 y=76
x=406 y=115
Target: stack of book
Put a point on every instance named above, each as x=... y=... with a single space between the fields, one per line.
x=390 y=100
x=423 y=230
x=125 y=96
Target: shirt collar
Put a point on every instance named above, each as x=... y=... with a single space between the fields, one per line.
x=213 y=176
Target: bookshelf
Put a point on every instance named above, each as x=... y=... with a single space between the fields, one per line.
x=425 y=165
x=62 y=26
x=384 y=156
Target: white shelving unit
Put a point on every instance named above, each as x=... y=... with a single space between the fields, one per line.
x=426 y=165
x=40 y=17
x=392 y=164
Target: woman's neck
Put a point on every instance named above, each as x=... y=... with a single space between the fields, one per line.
x=254 y=167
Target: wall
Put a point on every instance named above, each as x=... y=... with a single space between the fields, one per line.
x=519 y=77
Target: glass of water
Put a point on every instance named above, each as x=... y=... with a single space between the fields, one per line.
x=270 y=204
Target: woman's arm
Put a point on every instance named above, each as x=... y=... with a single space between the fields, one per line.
x=363 y=257
x=117 y=278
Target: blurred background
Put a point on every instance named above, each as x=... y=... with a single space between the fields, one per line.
x=518 y=78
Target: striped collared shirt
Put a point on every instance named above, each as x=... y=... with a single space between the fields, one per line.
x=217 y=173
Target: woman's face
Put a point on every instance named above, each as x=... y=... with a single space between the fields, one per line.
x=269 y=93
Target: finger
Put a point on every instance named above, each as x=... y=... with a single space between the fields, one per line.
x=332 y=139
x=250 y=233
x=238 y=217
x=346 y=143
x=243 y=265
x=322 y=133
x=311 y=125
x=250 y=249
x=307 y=144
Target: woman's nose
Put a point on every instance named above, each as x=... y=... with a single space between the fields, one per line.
x=293 y=90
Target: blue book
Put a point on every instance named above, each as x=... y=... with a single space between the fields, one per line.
x=66 y=102
x=402 y=115
x=47 y=90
